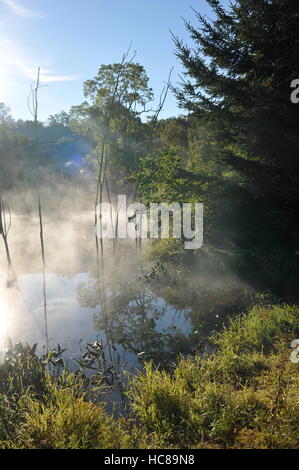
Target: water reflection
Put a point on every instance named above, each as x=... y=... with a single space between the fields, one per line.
x=137 y=313
x=137 y=319
x=140 y=324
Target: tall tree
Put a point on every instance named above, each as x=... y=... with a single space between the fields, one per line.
x=120 y=95
x=240 y=72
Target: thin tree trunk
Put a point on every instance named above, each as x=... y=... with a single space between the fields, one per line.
x=44 y=271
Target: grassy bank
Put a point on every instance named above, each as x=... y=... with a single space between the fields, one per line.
x=243 y=395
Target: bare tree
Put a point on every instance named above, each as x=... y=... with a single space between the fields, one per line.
x=33 y=108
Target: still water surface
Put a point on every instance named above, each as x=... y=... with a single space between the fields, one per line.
x=140 y=323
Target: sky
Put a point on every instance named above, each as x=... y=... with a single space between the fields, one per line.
x=70 y=39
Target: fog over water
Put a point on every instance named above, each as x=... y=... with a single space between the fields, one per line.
x=73 y=308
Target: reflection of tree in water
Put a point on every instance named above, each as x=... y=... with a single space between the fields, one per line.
x=133 y=314
x=135 y=307
x=210 y=297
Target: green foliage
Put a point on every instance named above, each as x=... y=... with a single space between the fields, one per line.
x=6 y=119
x=258 y=330
x=238 y=86
x=66 y=420
x=22 y=162
x=61 y=119
x=238 y=397
x=166 y=250
x=115 y=101
x=22 y=370
x=236 y=152
x=161 y=178
x=128 y=80
x=244 y=394
x=43 y=405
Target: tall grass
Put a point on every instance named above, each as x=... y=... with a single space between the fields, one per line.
x=243 y=395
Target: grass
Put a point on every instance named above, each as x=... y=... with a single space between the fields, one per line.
x=243 y=395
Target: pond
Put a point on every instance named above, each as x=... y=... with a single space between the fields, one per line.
x=133 y=323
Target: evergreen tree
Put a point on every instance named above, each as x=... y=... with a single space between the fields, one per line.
x=240 y=75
